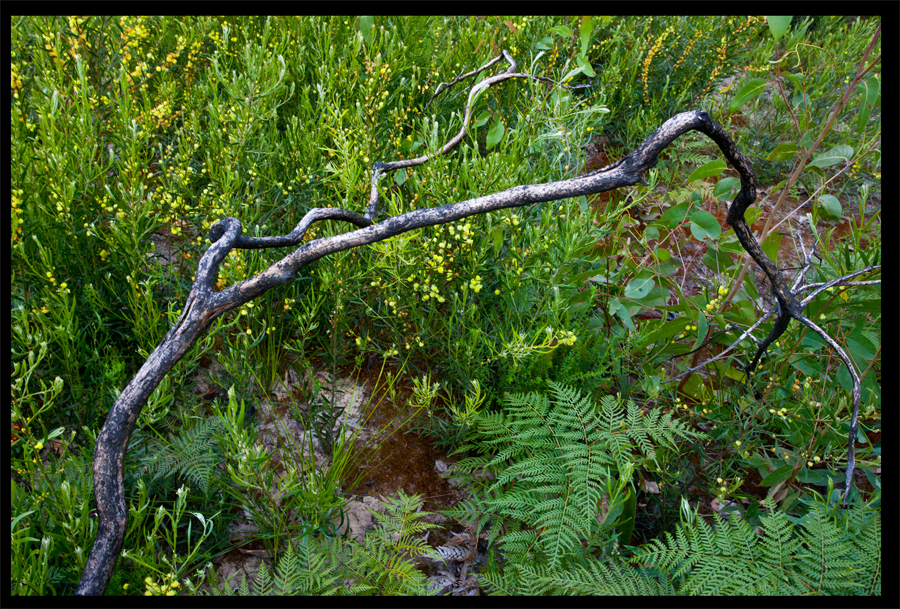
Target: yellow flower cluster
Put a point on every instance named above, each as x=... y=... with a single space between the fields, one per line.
x=567 y=337
x=649 y=59
x=153 y=588
x=715 y=302
x=781 y=412
x=17 y=213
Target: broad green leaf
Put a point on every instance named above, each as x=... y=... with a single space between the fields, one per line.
x=838 y=154
x=751 y=89
x=726 y=187
x=639 y=287
x=752 y=215
x=704 y=225
x=666 y=331
x=798 y=80
x=800 y=100
x=713 y=168
x=482 y=118
x=778 y=25
x=819 y=477
x=495 y=134
x=544 y=44
x=729 y=371
x=830 y=207
x=860 y=355
x=587 y=27
x=813 y=341
x=662 y=254
x=771 y=246
x=673 y=216
x=651 y=214
x=867 y=306
x=779 y=475
x=561 y=30
x=400 y=177
x=783 y=152
x=621 y=311
x=365 y=26
x=870 y=89
x=651 y=232
x=717 y=260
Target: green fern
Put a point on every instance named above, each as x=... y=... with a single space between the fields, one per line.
x=612 y=578
x=381 y=564
x=192 y=454
x=384 y=562
x=554 y=458
x=818 y=556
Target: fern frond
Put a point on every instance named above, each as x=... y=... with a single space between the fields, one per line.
x=262 y=586
x=192 y=454
x=818 y=556
x=596 y=578
x=556 y=454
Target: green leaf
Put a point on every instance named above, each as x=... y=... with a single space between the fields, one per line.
x=717 y=260
x=838 y=154
x=561 y=30
x=702 y=329
x=771 y=246
x=673 y=216
x=400 y=177
x=495 y=134
x=482 y=118
x=752 y=215
x=621 y=311
x=704 y=225
x=783 y=152
x=544 y=44
x=662 y=254
x=713 y=168
x=639 y=287
x=870 y=89
x=778 y=26
x=751 y=89
x=668 y=330
x=365 y=26
x=726 y=187
x=585 y=66
x=830 y=207
x=498 y=240
x=798 y=80
x=779 y=475
x=582 y=203
x=587 y=26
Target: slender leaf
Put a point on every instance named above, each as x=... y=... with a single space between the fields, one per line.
x=751 y=89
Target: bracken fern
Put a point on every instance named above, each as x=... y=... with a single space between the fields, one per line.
x=554 y=458
x=192 y=454
x=822 y=554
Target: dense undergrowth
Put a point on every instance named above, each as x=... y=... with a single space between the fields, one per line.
x=131 y=136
